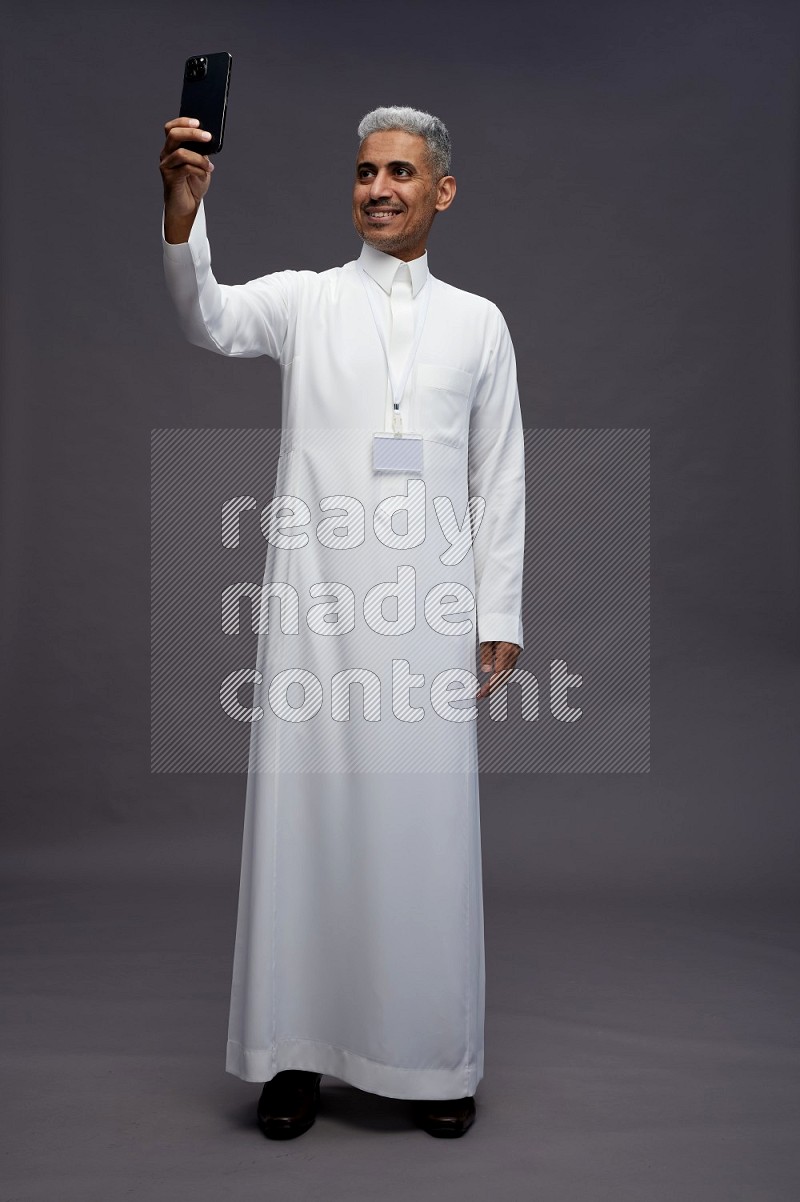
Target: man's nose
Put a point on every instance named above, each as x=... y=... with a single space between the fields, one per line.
x=380 y=189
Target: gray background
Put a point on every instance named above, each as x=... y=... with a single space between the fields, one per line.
x=628 y=197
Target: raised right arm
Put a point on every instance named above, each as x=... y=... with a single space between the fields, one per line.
x=230 y=319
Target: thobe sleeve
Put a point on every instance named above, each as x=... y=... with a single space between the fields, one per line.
x=497 y=474
x=231 y=319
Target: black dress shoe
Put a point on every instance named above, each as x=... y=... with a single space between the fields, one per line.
x=288 y=1103
x=448 y=1117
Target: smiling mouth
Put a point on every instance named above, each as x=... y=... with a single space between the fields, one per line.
x=382 y=216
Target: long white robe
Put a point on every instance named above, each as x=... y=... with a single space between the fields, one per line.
x=359 y=941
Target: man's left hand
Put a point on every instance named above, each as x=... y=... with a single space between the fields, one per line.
x=498 y=659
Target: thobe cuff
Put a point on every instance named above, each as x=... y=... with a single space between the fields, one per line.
x=500 y=628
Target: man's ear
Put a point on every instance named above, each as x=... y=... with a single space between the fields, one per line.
x=446 y=190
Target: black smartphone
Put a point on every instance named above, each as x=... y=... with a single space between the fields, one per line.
x=206 y=79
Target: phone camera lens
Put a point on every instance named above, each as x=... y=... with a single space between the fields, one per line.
x=196 y=68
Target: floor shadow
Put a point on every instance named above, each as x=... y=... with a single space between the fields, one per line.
x=352 y=1107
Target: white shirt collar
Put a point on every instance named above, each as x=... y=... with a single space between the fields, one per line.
x=382 y=267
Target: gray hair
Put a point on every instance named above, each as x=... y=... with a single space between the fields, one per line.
x=412 y=121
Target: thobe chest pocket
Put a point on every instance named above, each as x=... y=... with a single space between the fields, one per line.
x=442 y=403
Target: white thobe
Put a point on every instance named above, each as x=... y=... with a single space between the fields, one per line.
x=359 y=940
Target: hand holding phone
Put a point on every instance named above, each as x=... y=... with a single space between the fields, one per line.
x=186 y=175
x=190 y=138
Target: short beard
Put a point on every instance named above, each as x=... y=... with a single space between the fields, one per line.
x=392 y=242
x=400 y=241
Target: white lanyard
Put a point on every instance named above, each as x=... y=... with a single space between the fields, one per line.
x=398 y=388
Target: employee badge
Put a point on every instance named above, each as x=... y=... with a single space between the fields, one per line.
x=396 y=452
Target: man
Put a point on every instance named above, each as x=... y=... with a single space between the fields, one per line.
x=359 y=941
